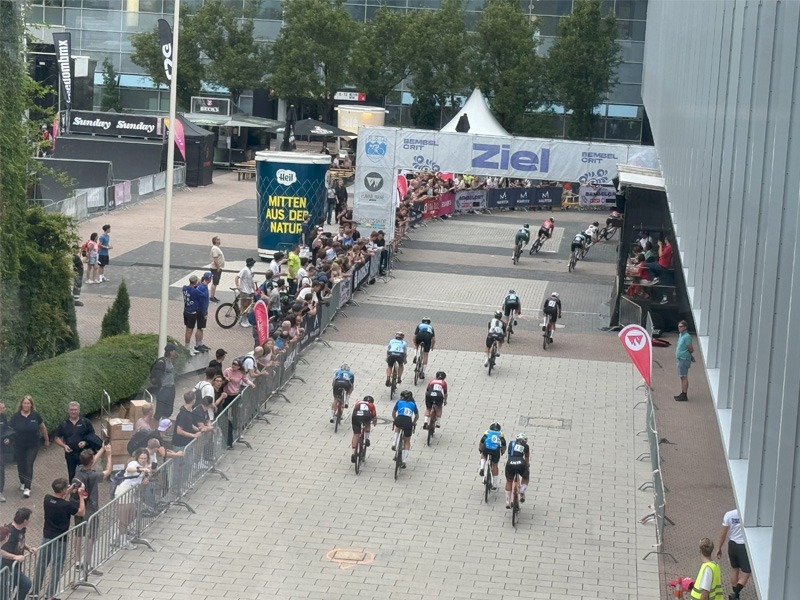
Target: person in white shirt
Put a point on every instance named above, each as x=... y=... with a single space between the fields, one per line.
x=217 y=264
x=737 y=551
x=275 y=264
x=246 y=285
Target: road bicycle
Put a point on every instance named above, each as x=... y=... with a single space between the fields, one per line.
x=431 y=423
x=607 y=232
x=510 y=328
x=537 y=244
x=573 y=260
x=487 y=479
x=547 y=337
x=398 y=451
x=419 y=368
x=229 y=313
x=492 y=357
x=361 y=449
x=393 y=381
x=515 y=499
x=517 y=252
x=341 y=400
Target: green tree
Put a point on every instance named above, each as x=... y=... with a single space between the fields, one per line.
x=116 y=320
x=507 y=68
x=441 y=56
x=191 y=70
x=582 y=63
x=37 y=316
x=235 y=59
x=381 y=55
x=311 y=56
x=111 y=98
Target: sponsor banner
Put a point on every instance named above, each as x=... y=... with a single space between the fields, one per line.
x=430 y=207
x=446 y=204
x=375 y=265
x=313 y=327
x=345 y=291
x=289 y=186
x=262 y=321
x=165 y=44
x=373 y=201
x=210 y=106
x=122 y=193
x=547 y=196
x=591 y=195
x=470 y=200
x=509 y=197
x=350 y=96
x=63 y=42
x=140 y=126
x=95 y=197
x=639 y=346
x=376 y=146
x=418 y=150
x=180 y=138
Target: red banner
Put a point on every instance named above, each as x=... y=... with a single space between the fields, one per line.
x=639 y=346
x=262 y=321
x=447 y=204
x=431 y=207
x=402 y=185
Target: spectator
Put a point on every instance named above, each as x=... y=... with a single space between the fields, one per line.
x=341 y=198
x=92 y=250
x=75 y=434
x=205 y=388
x=235 y=378
x=275 y=264
x=57 y=514
x=293 y=264
x=162 y=380
x=5 y=438
x=216 y=364
x=104 y=245
x=77 y=283
x=186 y=429
x=14 y=548
x=683 y=356
x=146 y=422
x=737 y=551
x=274 y=304
x=91 y=480
x=246 y=286
x=708 y=583
x=330 y=205
x=136 y=473
x=156 y=489
x=217 y=264
x=308 y=230
x=191 y=307
x=220 y=396
x=202 y=311
x=29 y=430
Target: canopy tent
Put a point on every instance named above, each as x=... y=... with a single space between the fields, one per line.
x=314 y=128
x=237 y=120
x=199 y=144
x=481 y=119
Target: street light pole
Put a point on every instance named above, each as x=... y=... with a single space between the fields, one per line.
x=165 y=257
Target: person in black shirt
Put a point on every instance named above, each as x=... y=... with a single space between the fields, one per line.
x=216 y=364
x=91 y=481
x=14 y=548
x=58 y=511
x=29 y=430
x=187 y=428
x=74 y=434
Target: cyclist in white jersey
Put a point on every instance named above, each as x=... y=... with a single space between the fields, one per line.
x=497 y=333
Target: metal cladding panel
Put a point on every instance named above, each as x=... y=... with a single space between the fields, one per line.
x=721 y=96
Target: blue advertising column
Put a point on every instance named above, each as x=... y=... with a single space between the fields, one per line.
x=288 y=186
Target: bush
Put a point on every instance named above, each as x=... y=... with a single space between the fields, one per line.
x=120 y=365
x=116 y=320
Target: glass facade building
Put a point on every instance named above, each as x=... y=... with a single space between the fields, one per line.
x=102 y=28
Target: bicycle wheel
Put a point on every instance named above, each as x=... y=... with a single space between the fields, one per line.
x=358 y=453
x=492 y=358
x=611 y=233
x=572 y=261
x=393 y=388
x=515 y=506
x=398 y=454
x=487 y=480
x=417 y=371
x=227 y=315
x=517 y=252
x=603 y=233
x=338 y=418
x=510 y=329
x=431 y=425
x=544 y=339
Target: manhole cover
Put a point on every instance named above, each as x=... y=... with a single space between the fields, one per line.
x=548 y=422
x=349 y=558
x=348 y=555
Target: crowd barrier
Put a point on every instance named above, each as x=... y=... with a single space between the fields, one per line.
x=86 y=202
x=72 y=560
x=630 y=313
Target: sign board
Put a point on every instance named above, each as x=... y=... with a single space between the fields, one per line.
x=116 y=124
x=211 y=106
x=639 y=346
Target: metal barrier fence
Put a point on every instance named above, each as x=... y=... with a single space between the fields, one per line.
x=87 y=202
x=72 y=560
x=659 y=514
x=630 y=313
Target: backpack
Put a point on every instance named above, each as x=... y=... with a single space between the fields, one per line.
x=84 y=248
x=140 y=439
x=116 y=478
x=242 y=358
x=157 y=370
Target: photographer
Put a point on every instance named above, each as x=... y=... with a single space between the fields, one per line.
x=57 y=514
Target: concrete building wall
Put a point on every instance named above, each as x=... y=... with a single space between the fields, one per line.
x=720 y=87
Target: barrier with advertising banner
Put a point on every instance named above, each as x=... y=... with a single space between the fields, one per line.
x=593 y=195
x=345 y=292
x=470 y=200
x=524 y=197
x=446 y=204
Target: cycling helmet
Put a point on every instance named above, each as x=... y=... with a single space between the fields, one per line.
x=521 y=437
x=440 y=374
x=498 y=315
x=345 y=367
x=511 y=292
x=399 y=335
x=554 y=294
x=527 y=226
x=596 y=224
x=495 y=426
x=369 y=399
x=615 y=214
x=426 y=320
x=406 y=394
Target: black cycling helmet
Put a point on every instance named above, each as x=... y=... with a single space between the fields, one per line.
x=495 y=426
x=498 y=315
x=426 y=320
x=440 y=374
x=527 y=226
x=596 y=224
x=369 y=399
x=511 y=292
x=407 y=395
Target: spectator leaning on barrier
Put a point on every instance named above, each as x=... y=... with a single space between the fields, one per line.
x=91 y=480
x=14 y=549
x=58 y=511
x=74 y=434
x=162 y=382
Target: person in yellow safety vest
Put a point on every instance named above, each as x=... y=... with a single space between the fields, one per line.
x=708 y=583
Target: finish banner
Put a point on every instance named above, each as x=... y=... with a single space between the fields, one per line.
x=63 y=44
x=289 y=185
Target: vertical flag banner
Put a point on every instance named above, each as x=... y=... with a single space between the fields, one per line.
x=63 y=43
x=180 y=138
x=262 y=321
x=165 y=43
x=639 y=346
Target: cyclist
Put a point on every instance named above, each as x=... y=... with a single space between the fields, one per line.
x=519 y=458
x=511 y=304
x=424 y=335
x=615 y=220
x=592 y=232
x=497 y=333
x=578 y=242
x=522 y=237
x=396 y=353
x=363 y=413
x=404 y=417
x=552 y=309
x=435 y=397
x=343 y=379
x=492 y=445
x=547 y=228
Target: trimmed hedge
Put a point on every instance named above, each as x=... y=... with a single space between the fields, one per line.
x=119 y=365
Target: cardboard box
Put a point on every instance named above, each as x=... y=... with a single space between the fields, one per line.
x=119 y=447
x=135 y=409
x=119 y=461
x=119 y=429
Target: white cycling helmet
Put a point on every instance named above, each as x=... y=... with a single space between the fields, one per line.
x=521 y=437
x=554 y=294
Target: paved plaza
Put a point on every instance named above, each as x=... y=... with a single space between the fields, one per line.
x=294 y=521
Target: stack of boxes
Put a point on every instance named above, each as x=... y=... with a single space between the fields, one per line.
x=120 y=430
